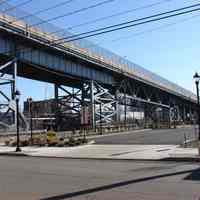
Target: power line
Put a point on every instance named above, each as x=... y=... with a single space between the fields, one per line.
x=44 y=10
x=115 y=15
x=73 y=12
x=119 y=28
x=132 y=21
x=154 y=29
x=128 y=26
x=145 y=31
x=18 y=5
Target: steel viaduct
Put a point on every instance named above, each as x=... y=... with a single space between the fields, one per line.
x=105 y=86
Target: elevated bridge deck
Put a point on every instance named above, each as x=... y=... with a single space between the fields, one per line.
x=102 y=61
x=108 y=86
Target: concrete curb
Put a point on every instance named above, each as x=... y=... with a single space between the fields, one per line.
x=186 y=159
x=182 y=159
x=170 y=159
x=17 y=154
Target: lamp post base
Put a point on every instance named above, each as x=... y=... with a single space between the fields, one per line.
x=18 y=149
x=198 y=148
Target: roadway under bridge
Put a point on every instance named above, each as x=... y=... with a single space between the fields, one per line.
x=98 y=86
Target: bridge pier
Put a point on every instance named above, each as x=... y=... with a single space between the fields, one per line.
x=117 y=116
x=145 y=100
x=92 y=104
x=67 y=106
x=104 y=105
x=7 y=92
x=125 y=105
x=8 y=78
x=181 y=112
x=91 y=101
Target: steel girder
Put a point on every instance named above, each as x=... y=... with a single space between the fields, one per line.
x=72 y=101
x=8 y=76
x=144 y=99
x=67 y=106
x=104 y=104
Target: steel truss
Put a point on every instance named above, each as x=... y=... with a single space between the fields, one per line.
x=142 y=98
x=91 y=100
x=8 y=76
x=152 y=100
x=128 y=95
x=104 y=104
x=67 y=106
x=101 y=105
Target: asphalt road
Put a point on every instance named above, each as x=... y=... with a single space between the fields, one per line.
x=156 y=136
x=28 y=178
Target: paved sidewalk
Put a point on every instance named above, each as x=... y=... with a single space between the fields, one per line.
x=92 y=151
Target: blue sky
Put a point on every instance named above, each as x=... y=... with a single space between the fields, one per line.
x=172 y=51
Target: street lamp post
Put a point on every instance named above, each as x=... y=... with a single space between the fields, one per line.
x=17 y=96
x=101 y=128
x=31 y=120
x=197 y=79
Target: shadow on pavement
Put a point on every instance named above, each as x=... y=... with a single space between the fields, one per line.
x=194 y=174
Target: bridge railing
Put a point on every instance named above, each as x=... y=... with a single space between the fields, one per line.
x=31 y=24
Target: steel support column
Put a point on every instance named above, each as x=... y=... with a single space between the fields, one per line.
x=8 y=77
x=56 y=106
x=117 y=116
x=67 y=107
x=92 y=104
x=103 y=105
x=8 y=104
